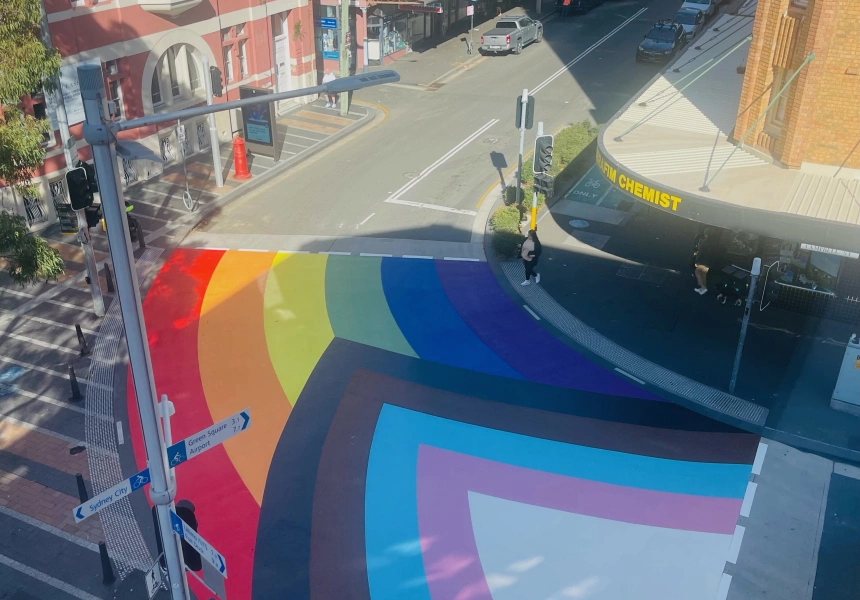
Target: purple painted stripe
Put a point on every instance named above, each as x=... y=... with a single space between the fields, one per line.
x=514 y=336
x=450 y=554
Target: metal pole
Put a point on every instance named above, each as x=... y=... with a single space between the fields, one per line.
x=364 y=58
x=756 y=271
x=534 y=190
x=213 y=130
x=66 y=141
x=104 y=155
x=524 y=102
x=472 y=26
x=344 y=54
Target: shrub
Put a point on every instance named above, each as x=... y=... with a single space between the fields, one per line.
x=505 y=243
x=505 y=223
x=506 y=218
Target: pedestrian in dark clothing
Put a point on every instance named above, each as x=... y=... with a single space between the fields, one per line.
x=565 y=8
x=705 y=252
x=530 y=251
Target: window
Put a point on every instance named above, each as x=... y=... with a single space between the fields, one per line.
x=228 y=63
x=240 y=29
x=278 y=25
x=776 y=115
x=115 y=95
x=225 y=34
x=41 y=113
x=171 y=68
x=193 y=76
x=243 y=61
x=155 y=89
x=111 y=68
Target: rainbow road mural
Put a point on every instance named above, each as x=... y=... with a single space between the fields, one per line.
x=417 y=435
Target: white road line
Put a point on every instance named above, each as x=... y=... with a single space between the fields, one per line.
x=47 y=400
x=749 y=496
x=441 y=160
x=461 y=259
x=759 y=458
x=846 y=470
x=457 y=211
x=605 y=194
x=723 y=590
x=48 y=528
x=337 y=253
x=376 y=255
x=16 y=293
x=65 y=304
x=585 y=53
x=254 y=250
x=54 y=323
x=120 y=438
x=32 y=427
x=367 y=219
x=47 y=579
x=737 y=540
x=218 y=249
x=531 y=312
x=33 y=367
x=628 y=375
x=155 y=205
x=29 y=340
x=417 y=256
x=175 y=194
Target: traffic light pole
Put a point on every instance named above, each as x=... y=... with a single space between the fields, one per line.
x=344 y=54
x=90 y=259
x=213 y=130
x=534 y=187
x=754 y=275
x=524 y=103
x=162 y=489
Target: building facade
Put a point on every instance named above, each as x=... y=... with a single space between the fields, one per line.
x=151 y=53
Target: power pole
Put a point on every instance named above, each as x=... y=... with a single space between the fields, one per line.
x=754 y=274
x=213 y=130
x=524 y=102
x=344 y=54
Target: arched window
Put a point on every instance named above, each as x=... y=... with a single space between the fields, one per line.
x=176 y=77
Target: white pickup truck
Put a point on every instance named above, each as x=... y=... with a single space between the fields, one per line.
x=511 y=34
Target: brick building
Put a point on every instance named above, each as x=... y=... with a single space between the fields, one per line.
x=151 y=54
x=816 y=121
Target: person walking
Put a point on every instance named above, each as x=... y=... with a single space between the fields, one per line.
x=330 y=99
x=565 y=9
x=705 y=251
x=530 y=252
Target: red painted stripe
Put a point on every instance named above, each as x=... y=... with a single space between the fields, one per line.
x=226 y=511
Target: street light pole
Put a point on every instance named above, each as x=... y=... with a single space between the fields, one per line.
x=163 y=488
x=523 y=108
x=344 y=54
x=213 y=130
x=756 y=271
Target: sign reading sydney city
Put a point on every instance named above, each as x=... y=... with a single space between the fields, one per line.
x=177 y=454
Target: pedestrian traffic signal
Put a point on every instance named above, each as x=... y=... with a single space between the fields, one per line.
x=530 y=112
x=79 y=188
x=543 y=154
x=217 y=82
x=185 y=511
x=90 y=168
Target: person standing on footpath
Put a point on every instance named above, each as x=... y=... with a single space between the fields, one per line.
x=705 y=253
x=530 y=251
x=330 y=99
x=565 y=9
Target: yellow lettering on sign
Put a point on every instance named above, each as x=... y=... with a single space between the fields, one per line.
x=637 y=190
x=664 y=200
x=629 y=185
x=649 y=194
x=675 y=202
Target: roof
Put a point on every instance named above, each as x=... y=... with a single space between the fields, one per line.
x=681 y=141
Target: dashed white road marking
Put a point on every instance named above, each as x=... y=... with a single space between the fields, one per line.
x=461 y=259
x=337 y=253
x=629 y=376
x=49 y=528
x=531 y=312
x=35 y=342
x=377 y=255
x=119 y=436
x=759 y=458
x=737 y=540
x=417 y=256
x=723 y=590
x=366 y=219
x=457 y=211
x=749 y=496
x=46 y=579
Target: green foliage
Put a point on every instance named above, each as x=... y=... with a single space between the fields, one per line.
x=505 y=223
x=28 y=258
x=505 y=218
x=569 y=142
x=298 y=32
x=26 y=66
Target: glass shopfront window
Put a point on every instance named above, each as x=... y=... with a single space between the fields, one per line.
x=807 y=269
x=326 y=32
x=394 y=33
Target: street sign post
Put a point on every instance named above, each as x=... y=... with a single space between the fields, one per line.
x=111 y=496
x=209 y=554
x=152 y=578
x=177 y=454
x=207 y=439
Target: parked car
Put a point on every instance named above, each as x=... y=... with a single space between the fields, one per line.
x=512 y=34
x=662 y=42
x=692 y=20
x=708 y=7
x=579 y=6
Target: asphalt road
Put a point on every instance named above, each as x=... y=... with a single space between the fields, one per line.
x=444 y=148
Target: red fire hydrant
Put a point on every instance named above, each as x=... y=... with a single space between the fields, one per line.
x=240 y=162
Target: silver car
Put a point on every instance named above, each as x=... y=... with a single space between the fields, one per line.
x=708 y=7
x=692 y=20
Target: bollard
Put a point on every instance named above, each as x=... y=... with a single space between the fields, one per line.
x=76 y=390
x=240 y=161
x=109 y=279
x=85 y=350
x=140 y=241
x=82 y=488
x=107 y=568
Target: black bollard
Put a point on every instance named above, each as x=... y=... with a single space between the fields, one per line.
x=109 y=279
x=85 y=350
x=76 y=390
x=140 y=235
x=82 y=488
x=107 y=568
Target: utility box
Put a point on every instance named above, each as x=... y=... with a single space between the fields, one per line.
x=846 y=395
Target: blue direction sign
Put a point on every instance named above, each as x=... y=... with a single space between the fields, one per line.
x=210 y=554
x=328 y=23
x=111 y=496
x=210 y=437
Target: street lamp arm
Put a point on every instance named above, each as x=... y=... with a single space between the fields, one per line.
x=344 y=84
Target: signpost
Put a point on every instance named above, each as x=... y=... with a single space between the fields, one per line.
x=152 y=578
x=209 y=554
x=177 y=454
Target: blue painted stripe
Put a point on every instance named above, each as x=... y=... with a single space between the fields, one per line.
x=430 y=323
x=391 y=518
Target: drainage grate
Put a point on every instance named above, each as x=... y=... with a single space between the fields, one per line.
x=681 y=386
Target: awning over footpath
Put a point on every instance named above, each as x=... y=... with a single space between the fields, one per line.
x=666 y=159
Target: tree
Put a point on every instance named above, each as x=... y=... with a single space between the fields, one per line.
x=26 y=66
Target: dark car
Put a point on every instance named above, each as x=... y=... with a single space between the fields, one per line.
x=662 y=42
x=579 y=6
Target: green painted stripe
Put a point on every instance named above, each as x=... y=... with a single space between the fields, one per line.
x=356 y=304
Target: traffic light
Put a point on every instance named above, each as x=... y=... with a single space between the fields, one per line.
x=185 y=511
x=93 y=215
x=543 y=154
x=78 y=186
x=90 y=168
x=530 y=112
x=217 y=82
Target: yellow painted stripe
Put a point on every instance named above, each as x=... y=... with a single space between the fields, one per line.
x=297 y=326
x=234 y=363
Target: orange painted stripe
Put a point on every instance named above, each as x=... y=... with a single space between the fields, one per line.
x=331 y=119
x=308 y=126
x=234 y=363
